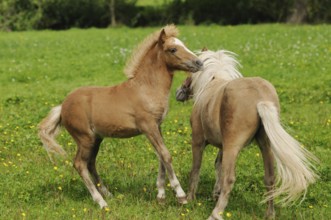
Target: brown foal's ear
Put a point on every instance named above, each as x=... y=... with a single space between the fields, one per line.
x=162 y=37
x=204 y=49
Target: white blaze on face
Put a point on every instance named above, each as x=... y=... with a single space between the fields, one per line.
x=180 y=43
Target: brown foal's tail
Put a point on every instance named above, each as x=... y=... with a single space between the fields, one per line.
x=295 y=165
x=48 y=130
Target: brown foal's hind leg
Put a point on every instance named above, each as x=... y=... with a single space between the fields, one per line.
x=269 y=173
x=160 y=183
x=217 y=186
x=93 y=171
x=227 y=179
x=153 y=133
x=84 y=154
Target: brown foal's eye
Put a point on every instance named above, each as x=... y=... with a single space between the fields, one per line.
x=173 y=50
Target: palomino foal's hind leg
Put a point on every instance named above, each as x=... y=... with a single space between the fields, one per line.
x=227 y=180
x=83 y=156
x=93 y=171
x=217 y=186
x=269 y=173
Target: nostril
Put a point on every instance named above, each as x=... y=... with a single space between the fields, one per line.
x=198 y=63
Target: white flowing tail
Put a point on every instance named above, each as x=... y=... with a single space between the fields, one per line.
x=49 y=129
x=294 y=163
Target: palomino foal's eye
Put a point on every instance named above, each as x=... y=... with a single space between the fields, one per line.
x=173 y=50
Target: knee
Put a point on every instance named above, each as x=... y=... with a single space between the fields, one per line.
x=230 y=180
x=78 y=165
x=166 y=158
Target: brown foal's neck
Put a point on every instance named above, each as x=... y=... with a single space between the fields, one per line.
x=153 y=71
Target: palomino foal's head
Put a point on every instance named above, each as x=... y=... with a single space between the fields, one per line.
x=176 y=54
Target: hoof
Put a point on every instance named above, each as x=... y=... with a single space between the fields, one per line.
x=270 y=216
x=215 y=215
x=190 y=197
x=215 y=218
x=216 y=195
x=108 y=195
x=103 y=205
x=161 y=200
x=182 y=200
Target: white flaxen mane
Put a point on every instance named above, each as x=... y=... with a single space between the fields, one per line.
x=220 y=65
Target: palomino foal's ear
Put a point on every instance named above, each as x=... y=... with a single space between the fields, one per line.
x=162 y=37
x=204 y=49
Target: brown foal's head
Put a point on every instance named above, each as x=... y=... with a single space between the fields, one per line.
x=176 y=54
x=184 y=92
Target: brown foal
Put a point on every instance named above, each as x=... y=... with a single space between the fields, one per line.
x=136 y=106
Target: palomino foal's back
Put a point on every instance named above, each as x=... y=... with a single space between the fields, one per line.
x=229 y=111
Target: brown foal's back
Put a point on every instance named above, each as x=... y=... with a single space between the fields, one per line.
x=137 y=106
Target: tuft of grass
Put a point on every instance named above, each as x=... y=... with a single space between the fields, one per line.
x=38 y=70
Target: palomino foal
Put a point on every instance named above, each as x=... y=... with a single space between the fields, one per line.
x=229 y=111
x=136 y=106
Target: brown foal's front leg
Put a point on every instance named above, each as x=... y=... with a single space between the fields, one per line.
x=153 y=133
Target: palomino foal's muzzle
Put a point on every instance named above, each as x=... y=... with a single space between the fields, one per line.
x=183 y=93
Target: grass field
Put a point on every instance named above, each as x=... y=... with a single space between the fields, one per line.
x=38 y=69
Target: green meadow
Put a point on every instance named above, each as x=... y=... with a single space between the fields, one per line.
x=39 y=68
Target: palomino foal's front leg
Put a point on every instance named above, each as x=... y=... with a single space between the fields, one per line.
x=154 y=135
x=197 y=152
x=198 y=145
